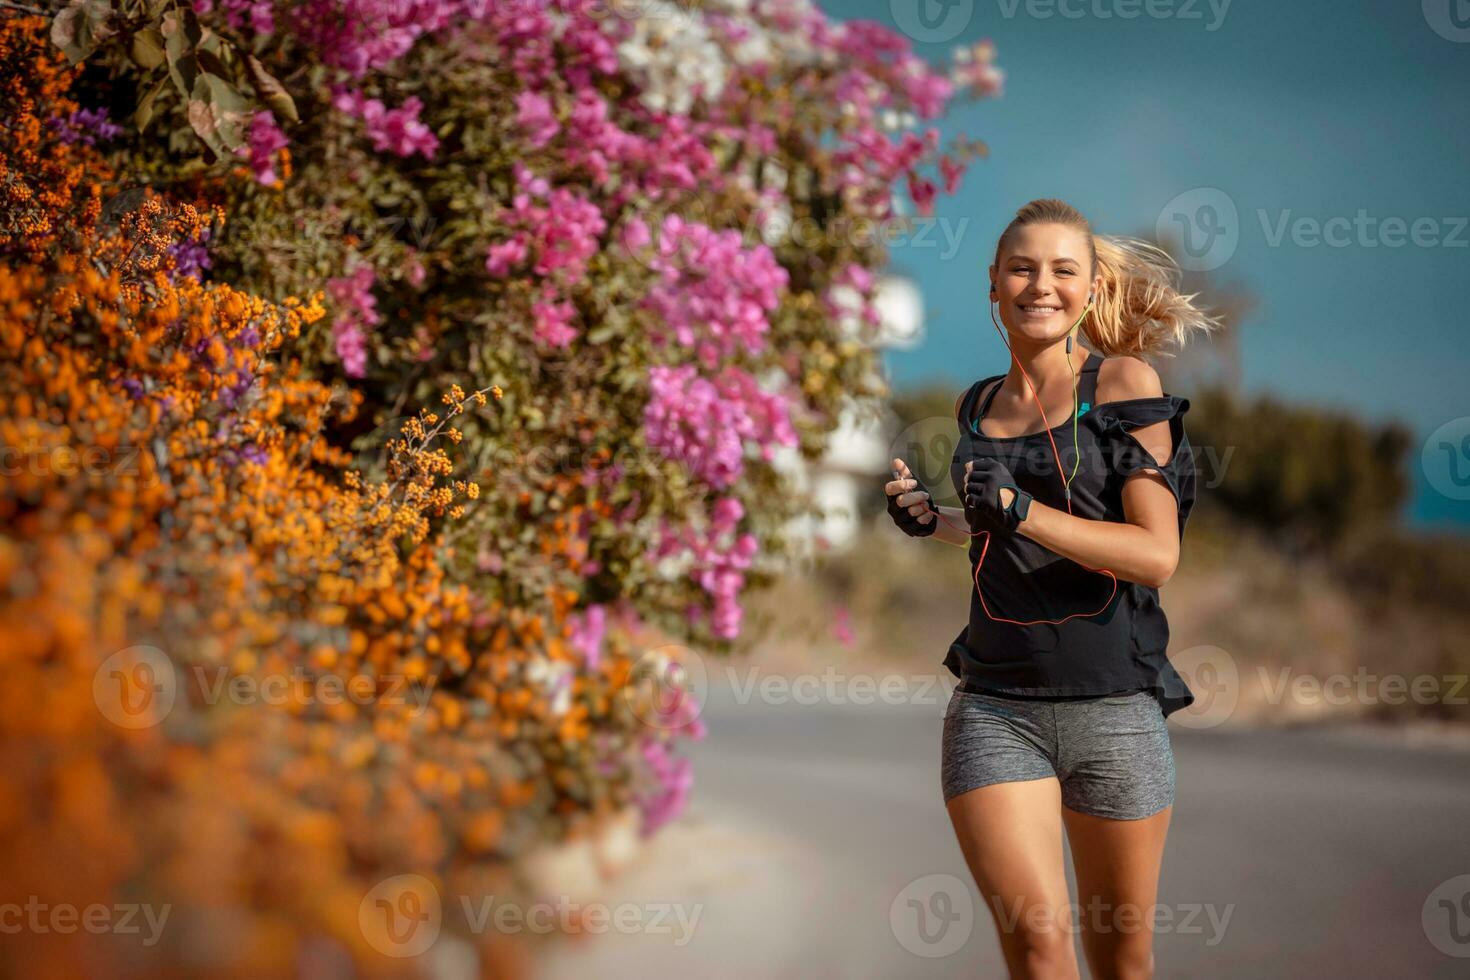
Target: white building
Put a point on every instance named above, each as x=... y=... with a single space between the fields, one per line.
x=858 y=452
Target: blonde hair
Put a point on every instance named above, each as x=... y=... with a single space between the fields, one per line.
x=1138 y=308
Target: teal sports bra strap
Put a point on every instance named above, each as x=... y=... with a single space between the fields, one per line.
x=1087 y=384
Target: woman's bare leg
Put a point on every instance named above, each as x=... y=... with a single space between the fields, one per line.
x=1011 y=836
x=1117 y=863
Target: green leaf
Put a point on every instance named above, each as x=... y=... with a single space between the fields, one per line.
x=146 y=48
x=212 y=63
x=183 y=66
x=231 y=109
x=81 y=27
x=598 y=335
x=271 y=91
x=143 y=115
x=202 y=121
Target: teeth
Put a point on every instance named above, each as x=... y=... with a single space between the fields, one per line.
x=1041 y=309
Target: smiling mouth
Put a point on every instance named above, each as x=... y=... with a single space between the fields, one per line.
x=1039 y=310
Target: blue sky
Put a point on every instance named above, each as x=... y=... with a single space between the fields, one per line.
x=1297 y=112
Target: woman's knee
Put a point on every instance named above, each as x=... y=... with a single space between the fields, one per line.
x=1043 y=942
x=1049 y=953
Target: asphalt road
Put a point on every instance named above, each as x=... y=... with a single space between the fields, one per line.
x=815 y=828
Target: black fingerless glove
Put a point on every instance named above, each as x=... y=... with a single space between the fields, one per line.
x=909 y=523
x=983 y=484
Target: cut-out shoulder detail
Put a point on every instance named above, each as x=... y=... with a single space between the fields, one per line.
x=1117 y=419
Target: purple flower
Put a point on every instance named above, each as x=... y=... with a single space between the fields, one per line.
x=191 y=258
x=85 y=126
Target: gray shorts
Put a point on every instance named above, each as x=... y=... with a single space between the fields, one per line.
x=1110 y=753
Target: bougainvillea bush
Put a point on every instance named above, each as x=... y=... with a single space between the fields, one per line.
x=432 y=354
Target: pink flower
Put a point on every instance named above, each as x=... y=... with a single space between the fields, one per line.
x=356 y=312
x=553 y=322
x=923 y=191
x=265 y=141
x=635 y=236
x=856 y=275
x=505 y=256
x=393 y=130
x=842 y=626
x=562 y=228
x=714 y=294
x=704 y=423
x=359 y=36
x=351 y=347
x=238 y=13
x=533 y=113
x=672 y=779
x=587 y=632
x=720 y=556
x=952 y=172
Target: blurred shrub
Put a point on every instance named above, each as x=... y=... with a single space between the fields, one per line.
x=1311 y=478
x=215 y=309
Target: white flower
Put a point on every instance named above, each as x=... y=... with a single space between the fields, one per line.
x=673 y=55
x=754 y=48
x=775 y=222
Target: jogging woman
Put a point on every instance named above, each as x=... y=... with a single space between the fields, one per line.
x=1077 y=478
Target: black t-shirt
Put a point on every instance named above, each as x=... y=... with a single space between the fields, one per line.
x=1120 y=648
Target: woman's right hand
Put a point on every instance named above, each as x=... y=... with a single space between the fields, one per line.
x=909 y=503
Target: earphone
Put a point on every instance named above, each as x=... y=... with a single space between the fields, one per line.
x=1066 y=481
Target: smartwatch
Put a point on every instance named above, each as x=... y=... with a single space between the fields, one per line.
x=1020 y=507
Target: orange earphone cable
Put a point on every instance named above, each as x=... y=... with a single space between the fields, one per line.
x=1066 y=487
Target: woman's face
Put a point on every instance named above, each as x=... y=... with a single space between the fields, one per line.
x=1041 y=283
